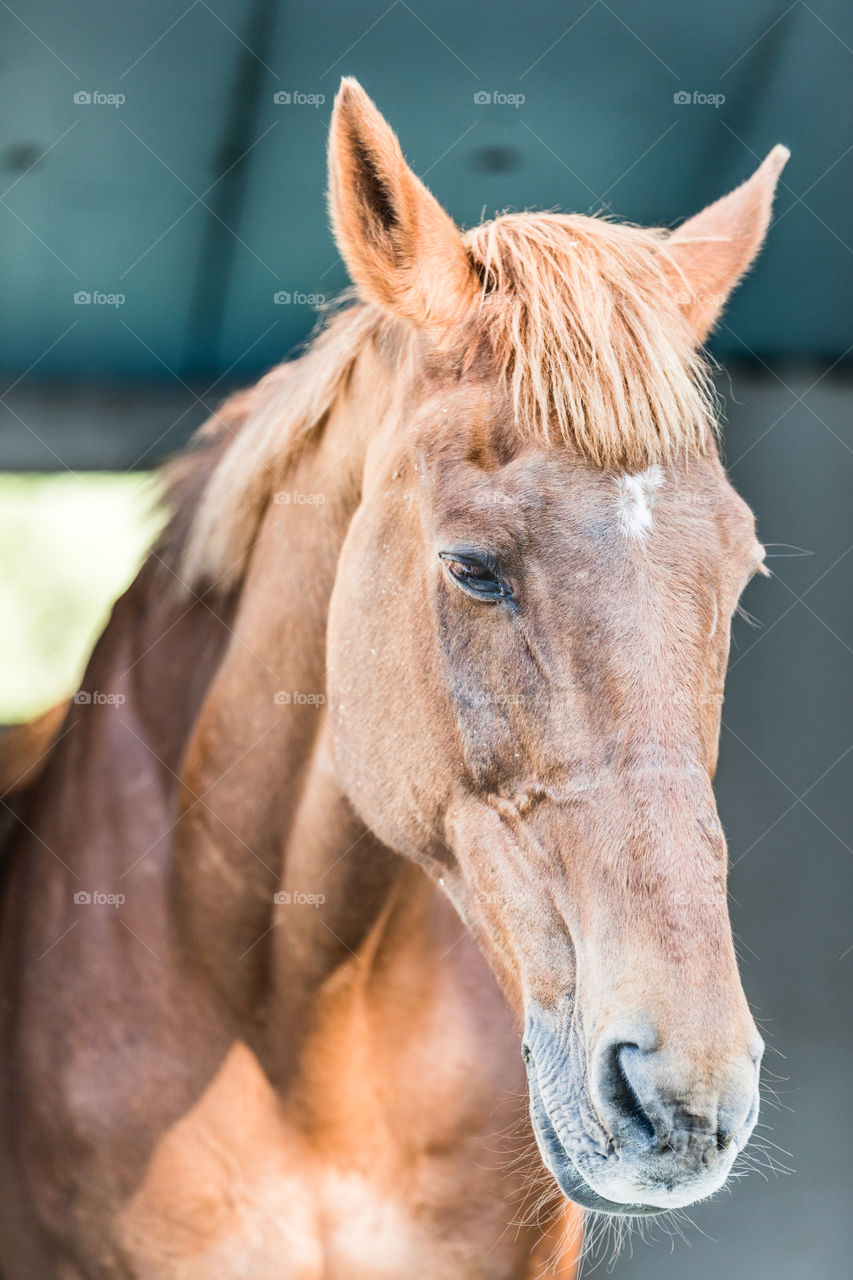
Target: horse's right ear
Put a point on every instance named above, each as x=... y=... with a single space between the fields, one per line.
x=402 y=250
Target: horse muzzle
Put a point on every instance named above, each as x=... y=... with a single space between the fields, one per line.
x=630 y=1133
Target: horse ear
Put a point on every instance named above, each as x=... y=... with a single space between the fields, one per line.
x=402 y=250
x=706 y=257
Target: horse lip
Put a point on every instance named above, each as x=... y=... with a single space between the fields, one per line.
x=564 y=1170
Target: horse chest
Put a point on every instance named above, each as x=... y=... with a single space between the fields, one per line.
x=265 y=1224
x=233 y=1191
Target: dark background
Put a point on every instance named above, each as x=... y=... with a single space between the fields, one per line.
x=199 y=198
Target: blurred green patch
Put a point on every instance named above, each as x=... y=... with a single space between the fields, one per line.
x=69 y=545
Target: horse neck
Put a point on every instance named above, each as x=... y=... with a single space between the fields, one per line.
x=262 y=811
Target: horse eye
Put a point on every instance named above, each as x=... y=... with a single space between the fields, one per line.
x=475 y=576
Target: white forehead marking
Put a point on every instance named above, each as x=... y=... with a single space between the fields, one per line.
x=636 y=499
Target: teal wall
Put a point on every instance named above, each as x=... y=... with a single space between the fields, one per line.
x=111 y=205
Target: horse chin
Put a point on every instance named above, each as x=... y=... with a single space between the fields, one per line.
x=577 y=1188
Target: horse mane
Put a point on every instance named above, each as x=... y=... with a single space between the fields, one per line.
x=581 y=317
x=577 y=313
x=255 y=437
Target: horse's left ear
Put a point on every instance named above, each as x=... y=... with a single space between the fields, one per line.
x=706 y=257
x=402 y=250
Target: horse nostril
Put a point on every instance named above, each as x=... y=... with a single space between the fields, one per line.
x=725 y=1138
x=623 y=1095
x=648 y=1098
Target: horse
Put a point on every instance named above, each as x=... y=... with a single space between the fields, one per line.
x=364 y=913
